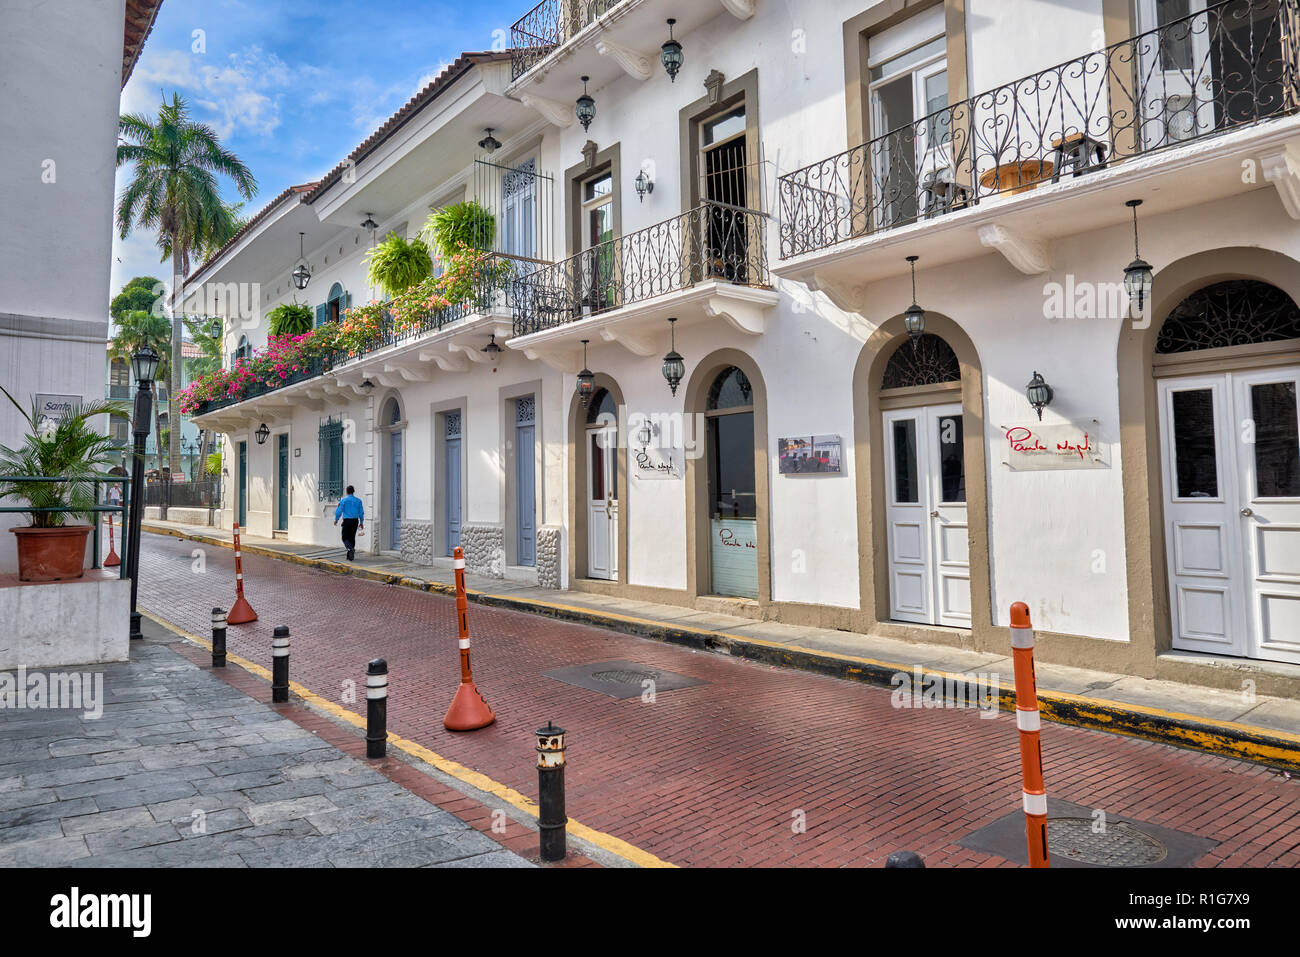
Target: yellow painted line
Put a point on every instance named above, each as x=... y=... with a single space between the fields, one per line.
x=475 y=779
x=1200 y=738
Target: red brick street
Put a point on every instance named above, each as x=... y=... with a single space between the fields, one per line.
x=723 y=773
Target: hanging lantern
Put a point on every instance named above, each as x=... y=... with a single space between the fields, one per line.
x=672 y=54
x=1137 y=274
x=302 y=272
x=262 y=433
x=492 y=348
x=674 y=365
x=914 y=316
x=586 y=106
x=1039 y=394
x=586 y=378
x=489 y=144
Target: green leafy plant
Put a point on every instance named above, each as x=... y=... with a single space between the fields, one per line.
x=396 y=264
x=461 y=224
x=290 y=319
x=213 y=465
x=68 y=449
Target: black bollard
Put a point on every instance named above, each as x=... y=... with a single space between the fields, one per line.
x=904 y=859
x=551 y=817
x=218 y=638
x=377 y=709
x=280 y=665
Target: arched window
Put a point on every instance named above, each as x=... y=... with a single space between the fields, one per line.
x=601 y=404
x=335 y=304
x=393 y=412
x=931 y=362
x=1238 y=312
x=730 y=390
x=732 y=485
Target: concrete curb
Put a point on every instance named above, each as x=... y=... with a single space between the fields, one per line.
x=1276 y=749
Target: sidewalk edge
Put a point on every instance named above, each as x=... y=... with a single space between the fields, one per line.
x=1229 y=739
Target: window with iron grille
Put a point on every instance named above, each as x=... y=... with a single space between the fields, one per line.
x=330 y=439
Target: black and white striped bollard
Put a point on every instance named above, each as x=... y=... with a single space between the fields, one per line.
x=551 y=819
x=218 y=638
x=280 y=665
x=377 y=709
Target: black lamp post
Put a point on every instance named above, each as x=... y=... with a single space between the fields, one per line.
x=914 y=317
x=671 y=54
x=674 y=366
x=586 y=106
x=144 y=364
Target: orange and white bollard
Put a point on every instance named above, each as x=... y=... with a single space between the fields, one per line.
x=112 y=561
x=469 y=711
x=241 y=612
x=1029 y=723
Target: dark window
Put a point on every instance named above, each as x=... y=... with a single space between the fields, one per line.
x=931 y=362
x=330 y=448
x=1195 y=461
x=1235 y=313
x=906 y=487
x=731 y=390
x=1277 y=447
x=732 y=491
x=602 y=404
x=952 y=463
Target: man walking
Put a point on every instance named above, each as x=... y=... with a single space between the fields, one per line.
x=353 y=514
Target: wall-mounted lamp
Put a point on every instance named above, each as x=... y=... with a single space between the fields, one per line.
x=645 y=435
x=644 y=185
x=671 y=53
x=585 y=107
x=368 y=386
x=1039 y=393
x=1138 y=273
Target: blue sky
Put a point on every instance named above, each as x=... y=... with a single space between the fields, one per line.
x=291 y=86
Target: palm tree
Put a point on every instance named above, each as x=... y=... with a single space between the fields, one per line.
x=135 y=330
x=173 y=189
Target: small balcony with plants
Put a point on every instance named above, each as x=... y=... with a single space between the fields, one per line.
x=708 y=263
x=1057 y=152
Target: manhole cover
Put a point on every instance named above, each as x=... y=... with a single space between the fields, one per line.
x=626 y=677
x=622 y=679
x=1120 y=845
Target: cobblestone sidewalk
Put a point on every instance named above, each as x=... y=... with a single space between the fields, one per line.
x=184 y=770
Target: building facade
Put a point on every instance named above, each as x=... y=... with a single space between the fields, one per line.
x=711 y=390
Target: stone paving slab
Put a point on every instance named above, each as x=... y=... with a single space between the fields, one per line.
x=160 y=780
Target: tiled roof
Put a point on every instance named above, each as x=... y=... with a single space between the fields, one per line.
x=140 y=15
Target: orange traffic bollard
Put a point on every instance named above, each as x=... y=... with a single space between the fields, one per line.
x=112 y=561
x=468 y=710
x=241 y=612
x=1031 y=748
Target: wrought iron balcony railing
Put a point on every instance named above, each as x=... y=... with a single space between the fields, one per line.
x=1234 y=63
x=712 y=242
x=548 y=26
x=492 y=283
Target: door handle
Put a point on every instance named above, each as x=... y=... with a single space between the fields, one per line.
x=1248 y=512
x=935 y=513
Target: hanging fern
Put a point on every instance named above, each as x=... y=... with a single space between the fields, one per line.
x=290 y=319
x=461 y=224
x=396 y=264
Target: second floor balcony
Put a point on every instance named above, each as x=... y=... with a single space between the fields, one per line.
x=548 y=26
x=1223 y=70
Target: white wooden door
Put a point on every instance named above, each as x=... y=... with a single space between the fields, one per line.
x=929 y=539
x=602 y=503
x=1231 y=470
x=1177 y=71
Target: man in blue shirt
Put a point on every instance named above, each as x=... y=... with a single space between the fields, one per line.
x=353 y=514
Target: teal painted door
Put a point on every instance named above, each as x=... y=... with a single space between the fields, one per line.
x=525 y=486
x=451 y=481
x=282 y=485
x=243 y=484
x=395 y=485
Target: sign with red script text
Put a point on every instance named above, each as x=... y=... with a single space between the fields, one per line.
x=1038 y=448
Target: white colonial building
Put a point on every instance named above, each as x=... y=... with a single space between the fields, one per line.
x=829 y=456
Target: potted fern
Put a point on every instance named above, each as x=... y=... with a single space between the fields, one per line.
x=396 y=264
x=49 y=549
x=458 y=225
x=290 y=319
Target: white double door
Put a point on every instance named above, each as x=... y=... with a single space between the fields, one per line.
x=929 y=537
x=602 y=503
x=1231 y=464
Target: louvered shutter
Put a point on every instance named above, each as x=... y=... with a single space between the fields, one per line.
x=322 y=313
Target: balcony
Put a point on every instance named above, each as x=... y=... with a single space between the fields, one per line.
x=714 y=256
x=1131 y=106
x=548 y=26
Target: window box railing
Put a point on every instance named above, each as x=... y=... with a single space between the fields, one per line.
x=548 y=26
x=1233 y=64
x=712 y=242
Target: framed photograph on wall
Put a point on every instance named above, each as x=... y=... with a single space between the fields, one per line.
x=810 y=455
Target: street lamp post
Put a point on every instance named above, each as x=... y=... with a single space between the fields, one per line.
x=144 y=363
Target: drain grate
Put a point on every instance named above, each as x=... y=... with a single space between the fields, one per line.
x=1120 y=845
x=622 y=679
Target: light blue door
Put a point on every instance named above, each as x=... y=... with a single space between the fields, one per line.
x=525 y=487
x=395 y=499
x=451 y=481
x=243 y=486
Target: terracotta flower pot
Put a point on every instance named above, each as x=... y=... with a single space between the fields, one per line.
x=51 y=554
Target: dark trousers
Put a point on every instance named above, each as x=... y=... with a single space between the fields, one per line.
x=350 y=533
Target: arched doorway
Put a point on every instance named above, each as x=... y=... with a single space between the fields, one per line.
x=393 y=424
x=732 y=485
x=1228 y=379
x=602 y=486
x=927 y=526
